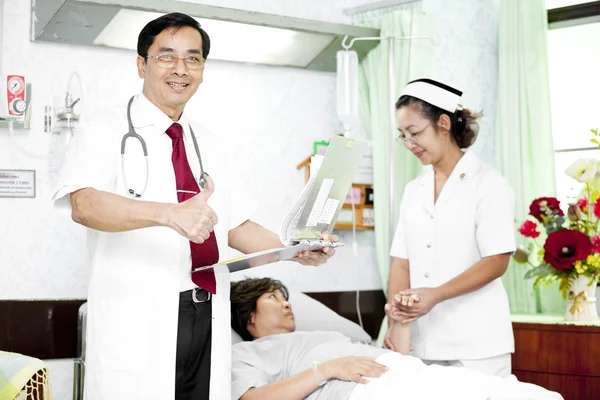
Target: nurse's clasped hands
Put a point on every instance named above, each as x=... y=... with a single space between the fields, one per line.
x=410 y=304
x=194 y=218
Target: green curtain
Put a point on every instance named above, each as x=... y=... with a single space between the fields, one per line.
x=524 y=148
x=412 y=59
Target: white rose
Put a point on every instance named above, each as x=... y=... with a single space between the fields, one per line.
x=583 y=170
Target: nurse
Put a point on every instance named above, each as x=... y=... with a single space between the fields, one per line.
x=154 y=330
x=453 y=241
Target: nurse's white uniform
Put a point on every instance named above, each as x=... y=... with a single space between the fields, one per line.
x=133 y=298
x=473 y=218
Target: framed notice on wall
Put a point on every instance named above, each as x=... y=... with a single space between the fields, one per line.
x=17 y=183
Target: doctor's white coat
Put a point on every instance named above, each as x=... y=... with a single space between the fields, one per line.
x=134 y=288
x=473 y=218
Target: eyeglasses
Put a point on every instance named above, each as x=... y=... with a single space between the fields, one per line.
x=413 y=138
x=192 y=63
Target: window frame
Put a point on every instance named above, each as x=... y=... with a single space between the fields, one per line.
x=565 y=17
x=577 y=14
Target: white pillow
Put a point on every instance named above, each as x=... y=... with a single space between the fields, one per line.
x=312 y=315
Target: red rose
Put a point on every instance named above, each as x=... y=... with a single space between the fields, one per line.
x=545 y=206
x=529 y=229
x=597 y=209
x=596 y=244
x=564 y=247
x=583 y=203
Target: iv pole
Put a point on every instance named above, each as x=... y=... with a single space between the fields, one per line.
x=391 y=41
x=392 y=84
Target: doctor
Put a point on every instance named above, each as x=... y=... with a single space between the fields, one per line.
x=453 y=240
x=152 y=325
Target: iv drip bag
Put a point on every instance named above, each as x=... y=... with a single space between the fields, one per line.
x=347 y=87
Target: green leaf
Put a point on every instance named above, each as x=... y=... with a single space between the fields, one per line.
x=595 y=141
x=541 y=270
x=591 y=282
x=545 y=280
x=566 y=278
x=594 y=131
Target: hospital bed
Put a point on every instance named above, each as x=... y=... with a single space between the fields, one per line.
x=79 y=363
x=310 y=315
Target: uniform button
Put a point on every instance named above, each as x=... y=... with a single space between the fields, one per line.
x=428 y=245
x=426 y=274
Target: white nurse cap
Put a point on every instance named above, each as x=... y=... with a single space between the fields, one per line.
x=434 y=92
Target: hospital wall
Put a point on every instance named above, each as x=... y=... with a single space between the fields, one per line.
x=466 y=56
x=276 y=112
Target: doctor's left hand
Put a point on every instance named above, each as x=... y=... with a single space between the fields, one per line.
x=194 y=219
x=317 y=257
x=403 y=310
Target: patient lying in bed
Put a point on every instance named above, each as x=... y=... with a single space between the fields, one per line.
x=275 y=362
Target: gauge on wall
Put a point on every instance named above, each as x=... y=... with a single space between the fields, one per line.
x=15 y=85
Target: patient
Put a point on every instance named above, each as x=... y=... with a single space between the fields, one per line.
x=275 y=362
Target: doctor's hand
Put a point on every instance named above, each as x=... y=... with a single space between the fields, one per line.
x=194 y=219
x=408 y=305
x=317 y=257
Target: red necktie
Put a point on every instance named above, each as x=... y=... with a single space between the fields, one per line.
x=206 y=253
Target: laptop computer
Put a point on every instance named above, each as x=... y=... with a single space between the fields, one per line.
x=316 y=210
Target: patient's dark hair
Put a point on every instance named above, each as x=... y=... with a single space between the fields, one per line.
x=244 y=295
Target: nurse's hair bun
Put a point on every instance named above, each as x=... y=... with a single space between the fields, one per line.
x=466 y=127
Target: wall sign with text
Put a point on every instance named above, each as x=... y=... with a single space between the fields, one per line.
x=17 y=183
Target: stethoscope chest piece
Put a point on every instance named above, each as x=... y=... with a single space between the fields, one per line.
x=203 y=181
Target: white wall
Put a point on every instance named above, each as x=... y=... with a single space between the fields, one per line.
x=276 y=112
x=467 y=56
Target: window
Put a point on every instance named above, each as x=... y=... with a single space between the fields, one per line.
x=573 y=62
x=550 y=4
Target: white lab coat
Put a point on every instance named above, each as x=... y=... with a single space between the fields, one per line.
x=134 y=288
x=472 y=218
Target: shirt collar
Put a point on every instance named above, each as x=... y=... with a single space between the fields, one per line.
x=144 y=113
x=464 y=169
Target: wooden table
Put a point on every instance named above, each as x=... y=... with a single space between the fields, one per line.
x=559 y=355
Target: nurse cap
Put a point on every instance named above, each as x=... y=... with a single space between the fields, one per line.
x=434 y=92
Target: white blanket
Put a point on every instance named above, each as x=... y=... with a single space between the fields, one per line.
x=416 y=381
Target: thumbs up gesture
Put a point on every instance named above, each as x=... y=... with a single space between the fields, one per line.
x=194 y=219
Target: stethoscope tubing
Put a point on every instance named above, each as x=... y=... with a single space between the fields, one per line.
x=202 y=181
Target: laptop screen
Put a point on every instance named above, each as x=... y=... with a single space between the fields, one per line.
x=330 y=187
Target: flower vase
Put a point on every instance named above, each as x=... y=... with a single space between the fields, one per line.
x=581 y=300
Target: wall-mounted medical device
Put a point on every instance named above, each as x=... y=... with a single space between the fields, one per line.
x=48 y=139
x=15 y=97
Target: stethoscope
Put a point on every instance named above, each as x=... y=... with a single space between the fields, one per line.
x=202 y=181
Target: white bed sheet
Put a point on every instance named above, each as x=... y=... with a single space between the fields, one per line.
x=416 y=381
